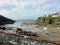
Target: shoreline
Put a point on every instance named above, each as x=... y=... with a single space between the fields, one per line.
x=31 y=37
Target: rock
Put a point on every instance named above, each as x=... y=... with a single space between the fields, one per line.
x=4 y=20
x=44 y=28
x=3 y=28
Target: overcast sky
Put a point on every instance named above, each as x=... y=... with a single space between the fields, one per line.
x=28 y=9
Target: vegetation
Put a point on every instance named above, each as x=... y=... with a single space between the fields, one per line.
x=29 y=23
x=45 y=20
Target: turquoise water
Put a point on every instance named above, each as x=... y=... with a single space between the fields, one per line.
x=19 y=24
x=16 y=24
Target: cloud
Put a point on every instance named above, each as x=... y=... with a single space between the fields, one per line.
x=7 y=7
x=26 y=9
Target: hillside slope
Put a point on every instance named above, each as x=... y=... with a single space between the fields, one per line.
x=4 y=20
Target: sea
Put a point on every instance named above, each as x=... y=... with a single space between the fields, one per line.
x=18 y=23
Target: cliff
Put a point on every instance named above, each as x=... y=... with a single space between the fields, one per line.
x=4 y=20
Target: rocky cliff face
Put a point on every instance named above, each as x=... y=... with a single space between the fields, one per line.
x=4 y=20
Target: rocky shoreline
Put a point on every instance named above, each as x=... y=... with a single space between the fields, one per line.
x=27 y=35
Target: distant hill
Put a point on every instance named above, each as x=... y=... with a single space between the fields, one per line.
x=4 y=20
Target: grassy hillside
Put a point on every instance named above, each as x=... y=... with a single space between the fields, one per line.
x=50 y=19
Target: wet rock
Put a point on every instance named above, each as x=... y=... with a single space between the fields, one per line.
x=3 y=28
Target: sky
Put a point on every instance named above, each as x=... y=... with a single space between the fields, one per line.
x=28 y=9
